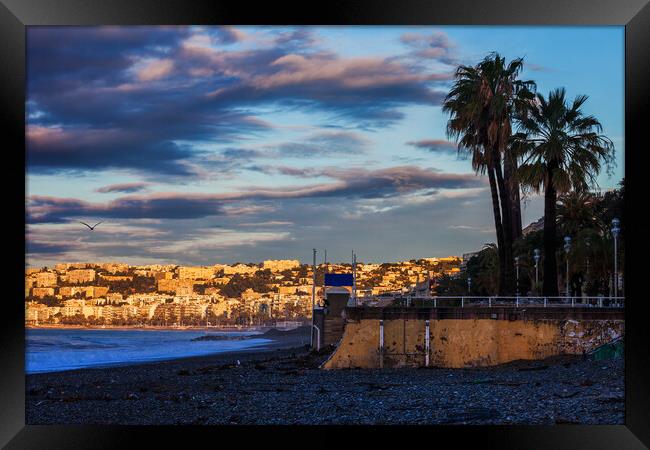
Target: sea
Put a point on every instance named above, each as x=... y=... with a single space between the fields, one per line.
x=53 y=350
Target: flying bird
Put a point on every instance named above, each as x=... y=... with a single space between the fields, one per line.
x=91 y=228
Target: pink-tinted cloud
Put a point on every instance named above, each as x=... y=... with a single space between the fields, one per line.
x=123 y=187
x=155 y=69
x=110 y=97
x=435 y=45
x=302 y=75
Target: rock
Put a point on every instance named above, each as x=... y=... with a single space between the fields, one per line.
x=567 y=395
x=523 y=369
x=35 y=391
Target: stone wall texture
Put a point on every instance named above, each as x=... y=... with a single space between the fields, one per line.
x=458 y=343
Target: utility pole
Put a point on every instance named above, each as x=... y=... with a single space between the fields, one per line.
x=313 y=298
x=354 y=277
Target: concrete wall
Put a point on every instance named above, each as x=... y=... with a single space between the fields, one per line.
x=460 y=343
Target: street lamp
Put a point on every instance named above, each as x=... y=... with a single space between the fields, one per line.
x=615 y=230
x=587 y=274
x=469 y=285
x=517 y=268
x=537 y=257
x=567 y=249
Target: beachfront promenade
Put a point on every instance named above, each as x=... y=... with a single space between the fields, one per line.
x=518 y=301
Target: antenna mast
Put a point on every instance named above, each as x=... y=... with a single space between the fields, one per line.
x=313 y=297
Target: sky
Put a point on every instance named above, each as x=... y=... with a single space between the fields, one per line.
x=206 y=145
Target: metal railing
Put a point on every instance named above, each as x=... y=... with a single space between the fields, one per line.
x=496 y=301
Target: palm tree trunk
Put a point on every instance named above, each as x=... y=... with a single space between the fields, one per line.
x=509 y=173
x=550 y=288
x=506 y=218
x=499 y=230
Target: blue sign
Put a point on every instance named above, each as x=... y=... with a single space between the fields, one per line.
x=338 y=279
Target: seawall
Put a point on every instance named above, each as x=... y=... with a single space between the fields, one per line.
x=469 y=338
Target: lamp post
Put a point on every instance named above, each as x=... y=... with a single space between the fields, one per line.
x=517 y=269
x=537 y=257
x=469 y=285
x=587 y=279
x=615 y=230
x=567 y=249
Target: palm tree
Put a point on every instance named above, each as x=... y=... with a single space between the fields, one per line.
x=576 y=211
x=562 y=149
x=482 y=103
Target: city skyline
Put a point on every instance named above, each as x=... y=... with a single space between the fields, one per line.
x=205 y=145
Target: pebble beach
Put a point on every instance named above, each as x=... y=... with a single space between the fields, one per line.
x=282 y=384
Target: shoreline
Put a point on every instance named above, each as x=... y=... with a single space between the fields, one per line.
x=256 y=352
x=296 y=339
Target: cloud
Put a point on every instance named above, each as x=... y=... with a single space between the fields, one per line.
x=348 y=183
x=357 y=87
x=399 y=178
x=471 y=228
x=149 y=145
x=325 y=143
x=210 y=36
x=47 y=248
x=302 y=37
x=436 y=46
x=376 y=226
x=155 y=69
x=43 y=209
x=186 y=243
x=123 y=187
x=54 y=148
x=436 y=145
x=148 y=99
x=98 y=52
x=227 y=162
x=270 y=223
x=229 y=35
x=195 y=105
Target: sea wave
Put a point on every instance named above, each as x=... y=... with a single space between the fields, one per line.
x=57 y=350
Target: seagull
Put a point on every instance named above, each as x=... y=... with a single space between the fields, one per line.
x=91 y=228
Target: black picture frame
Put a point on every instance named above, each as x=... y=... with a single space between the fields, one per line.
x=15 y=15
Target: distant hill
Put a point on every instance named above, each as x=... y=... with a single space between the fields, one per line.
x=534 y=226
